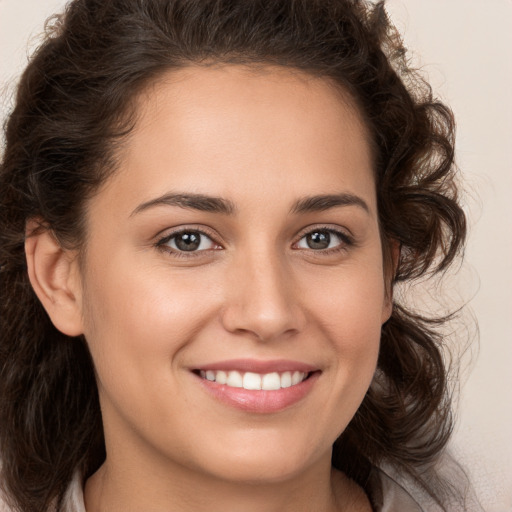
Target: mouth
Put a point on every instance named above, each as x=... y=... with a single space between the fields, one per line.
x=256 y=386
x=255 y=381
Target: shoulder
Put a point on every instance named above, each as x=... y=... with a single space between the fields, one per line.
x=393 y=491
x=387 y=494
x=4 y=502
x=73 y=500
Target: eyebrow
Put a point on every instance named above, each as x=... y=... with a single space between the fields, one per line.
x=199 y=202
x=321 y=203
x=214 y=204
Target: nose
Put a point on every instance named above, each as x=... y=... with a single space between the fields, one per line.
x=261 y=298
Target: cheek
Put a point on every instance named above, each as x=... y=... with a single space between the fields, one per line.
x=351 y=302
x=142 y=315
x=348 y=307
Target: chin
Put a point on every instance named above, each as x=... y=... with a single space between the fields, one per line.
x=261 y=463
x=259 y=472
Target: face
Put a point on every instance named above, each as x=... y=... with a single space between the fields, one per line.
x=233 y=289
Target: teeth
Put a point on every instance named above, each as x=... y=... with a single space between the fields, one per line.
x=271 y=381
x=297 y=377
x=221 y=377
x=234 y=380
x=286 y=380
x=254 y=381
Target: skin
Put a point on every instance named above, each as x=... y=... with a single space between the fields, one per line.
x=263 y=140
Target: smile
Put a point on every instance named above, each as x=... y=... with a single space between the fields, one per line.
x=255 y=381
x=254 y=386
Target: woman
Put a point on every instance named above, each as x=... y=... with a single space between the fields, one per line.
x=205 y=207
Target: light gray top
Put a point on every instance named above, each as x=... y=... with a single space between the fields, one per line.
x=387 y=495
x=390 y=498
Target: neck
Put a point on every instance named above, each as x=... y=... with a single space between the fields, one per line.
x=129 y=489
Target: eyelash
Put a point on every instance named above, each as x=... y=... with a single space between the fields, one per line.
x=162 y=243
x=346 y=242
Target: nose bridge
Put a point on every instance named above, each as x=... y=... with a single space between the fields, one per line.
x=262 y=298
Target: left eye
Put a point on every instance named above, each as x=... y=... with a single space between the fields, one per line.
x=320 y=239
x=189 y=241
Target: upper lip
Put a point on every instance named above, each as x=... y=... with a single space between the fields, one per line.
x=259 y=366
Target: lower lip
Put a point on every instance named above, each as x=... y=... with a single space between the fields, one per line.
x=263 y=402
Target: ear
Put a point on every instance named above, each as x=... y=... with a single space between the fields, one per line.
x=55 y=278
x=391 y=262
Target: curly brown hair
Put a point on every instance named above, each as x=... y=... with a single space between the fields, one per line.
x=76 y=102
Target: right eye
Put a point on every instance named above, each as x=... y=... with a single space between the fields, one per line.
x=324 y=240
x=190 y=240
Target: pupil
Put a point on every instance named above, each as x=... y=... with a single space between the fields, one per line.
x=318 y=240
x=188 y=241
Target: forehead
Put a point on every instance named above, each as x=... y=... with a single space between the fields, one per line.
x=202 y=127
x=247 y=93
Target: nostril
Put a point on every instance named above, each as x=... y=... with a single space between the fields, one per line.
x=263 y=325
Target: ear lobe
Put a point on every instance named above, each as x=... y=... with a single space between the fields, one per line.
x=53 y=273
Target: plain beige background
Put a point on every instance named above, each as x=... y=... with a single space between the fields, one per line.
x=465 y=47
